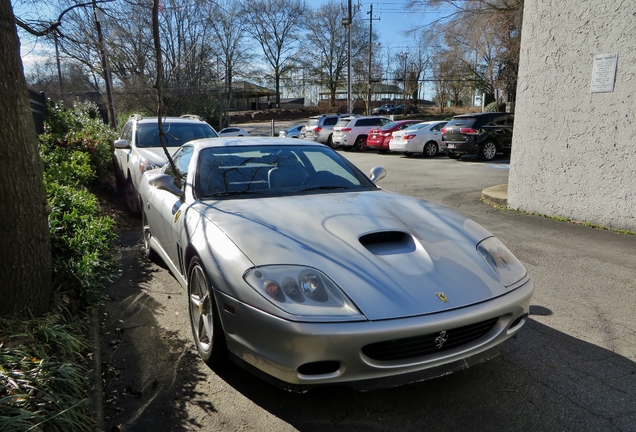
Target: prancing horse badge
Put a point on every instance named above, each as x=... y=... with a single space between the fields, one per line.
x=442 y=297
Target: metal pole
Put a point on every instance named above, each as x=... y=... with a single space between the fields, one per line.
x=370 y=55
x=59 y=67
x=104 y=58
x=349 y=91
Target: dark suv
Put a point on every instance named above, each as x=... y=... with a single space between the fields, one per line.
x=482 y=135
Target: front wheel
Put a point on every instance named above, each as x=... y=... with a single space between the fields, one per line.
x=132 y=198
x=430 y=149
x=120 y=181
x=488 y=151
x=204 y=317
x=361 y=143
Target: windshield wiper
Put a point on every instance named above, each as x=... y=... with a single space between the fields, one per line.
x=324 y=188
x=231 y=193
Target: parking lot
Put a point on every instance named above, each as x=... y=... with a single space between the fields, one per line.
x=572 y=368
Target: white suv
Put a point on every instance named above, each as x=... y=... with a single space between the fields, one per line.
x=138 y=149
x=352 y=132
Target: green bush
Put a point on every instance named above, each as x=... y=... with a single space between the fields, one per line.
x=81 y=242
x=495 y=107
x=79 y=129
x=65 y=166
x=43 y=370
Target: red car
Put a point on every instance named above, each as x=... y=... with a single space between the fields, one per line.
x=379 y=138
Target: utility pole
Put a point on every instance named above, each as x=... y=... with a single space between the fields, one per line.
x=99 y=16
x=349 y=90
x=370 y=55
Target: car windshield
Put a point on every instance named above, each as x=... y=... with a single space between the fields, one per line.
x=275 y=170
x=389 y=126
x=177 y=134
x=417 y=126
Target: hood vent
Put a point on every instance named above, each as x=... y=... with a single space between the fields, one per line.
x=388 y=242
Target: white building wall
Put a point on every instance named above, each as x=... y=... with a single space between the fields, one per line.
x=574 y=152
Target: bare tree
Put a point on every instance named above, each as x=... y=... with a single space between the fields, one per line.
x=274 y=24
x=230 y=47
x=489 y=32
x=25 y=269
x=325 y=54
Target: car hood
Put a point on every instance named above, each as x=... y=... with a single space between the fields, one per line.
x=392 y=255
x=156 y=154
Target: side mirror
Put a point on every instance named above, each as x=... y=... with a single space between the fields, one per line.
x=165 y=182
x=377 y=174
x=121 y=144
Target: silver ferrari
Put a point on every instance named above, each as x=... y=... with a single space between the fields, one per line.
x=300 y=268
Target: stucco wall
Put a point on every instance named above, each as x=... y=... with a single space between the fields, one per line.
x=574 y=152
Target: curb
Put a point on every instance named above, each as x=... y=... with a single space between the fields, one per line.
x=496 y=195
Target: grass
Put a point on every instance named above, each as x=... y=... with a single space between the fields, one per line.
x=562 y=219
x=44 y=372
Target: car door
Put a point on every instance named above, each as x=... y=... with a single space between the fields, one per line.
x=123 y=154
x=499 y=129
x=170 y=208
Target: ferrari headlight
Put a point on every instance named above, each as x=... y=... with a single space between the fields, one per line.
x=501 y=260
x=302 y=291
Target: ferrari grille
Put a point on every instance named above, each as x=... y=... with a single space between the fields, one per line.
x=417 y=346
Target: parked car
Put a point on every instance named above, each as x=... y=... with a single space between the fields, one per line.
x=292 y=132
x=482 y=135
x=234 y=131
x=320 y=128
x=352 y=132
x=418 y=138
x=379 y=138
x=138 y=149
x=384 y=109
x=410 y=109
x=374 y=289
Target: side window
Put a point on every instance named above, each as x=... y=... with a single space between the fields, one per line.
x=437 y=127
x=126 y=132
x=330 y=121
x=181 y=161
x=505 y=120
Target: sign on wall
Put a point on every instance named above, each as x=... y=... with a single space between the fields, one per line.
x=604 y=73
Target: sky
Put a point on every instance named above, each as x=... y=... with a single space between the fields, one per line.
x=390 y=21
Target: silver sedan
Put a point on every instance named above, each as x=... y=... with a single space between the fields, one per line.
x=300 y=268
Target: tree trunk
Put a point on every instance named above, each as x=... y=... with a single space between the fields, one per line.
x=25 y=267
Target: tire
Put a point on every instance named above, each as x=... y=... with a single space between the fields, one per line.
x=330 y=142
x=488 y=150
x=361 y=143
x=452 y=155
x=120 y=181
x=132 y=198
x=430 y=149
x=204 y=317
